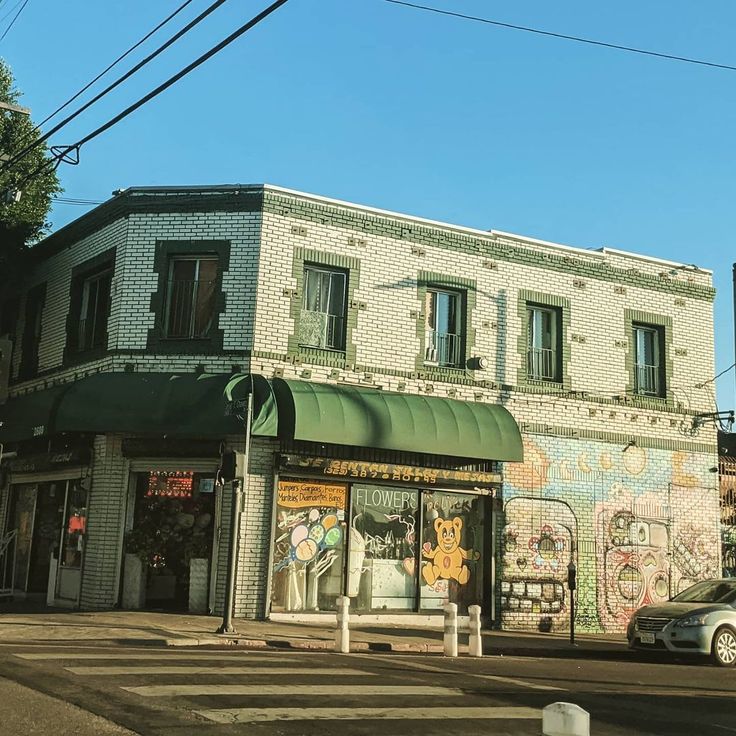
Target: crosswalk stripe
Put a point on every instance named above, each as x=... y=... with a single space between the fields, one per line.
x=254 y=715
x=197 y=670
x=193 y=656
x=520 y=683
x=497 y=678
x=157 y=691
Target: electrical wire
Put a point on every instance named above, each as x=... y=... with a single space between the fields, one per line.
x=76 y=200
x=12 y=22
x=65 y=152
x=115 y=63
x=10 y=12
x=564 y=36
x=42 y=139
x=710 y=380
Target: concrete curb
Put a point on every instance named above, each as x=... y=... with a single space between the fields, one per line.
x=300 y=644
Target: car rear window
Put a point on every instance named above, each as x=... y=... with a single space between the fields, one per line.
x=709 y=591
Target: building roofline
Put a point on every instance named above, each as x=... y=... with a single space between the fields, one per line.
x=116 y=207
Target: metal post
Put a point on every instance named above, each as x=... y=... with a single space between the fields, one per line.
x=475 y=643
x=572 y=585
x=342 y=632
x=232 y=558
x=450 y=638
x=227 y=626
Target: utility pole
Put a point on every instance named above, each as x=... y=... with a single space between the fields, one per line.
x=237 y=465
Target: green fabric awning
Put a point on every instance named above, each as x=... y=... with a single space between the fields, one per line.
x=364 y=417
x=213 y=406
x=30 y=415
x=160 y=404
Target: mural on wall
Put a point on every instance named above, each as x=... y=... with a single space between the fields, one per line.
x=537 y=544
x=647 y=522
x=448 y=557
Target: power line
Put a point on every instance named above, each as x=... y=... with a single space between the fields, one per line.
x=710 y=380
x=12 y=22
x=70 y=154
x=114 y=63
x=76 y=200
x=42 y=139
x=564 y=36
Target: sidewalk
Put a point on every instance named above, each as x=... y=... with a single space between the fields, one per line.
x=181 y=630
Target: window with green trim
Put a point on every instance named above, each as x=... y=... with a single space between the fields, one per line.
x=322 y=321
x=649 y=373
x=191 y=297
x=544 y=343
x=444 y=339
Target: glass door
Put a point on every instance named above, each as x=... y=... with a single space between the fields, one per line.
x=73 y=534
x=453 y=550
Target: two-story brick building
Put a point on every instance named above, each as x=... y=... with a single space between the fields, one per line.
x=442 y=413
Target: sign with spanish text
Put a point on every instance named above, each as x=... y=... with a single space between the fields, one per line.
x=303 y=494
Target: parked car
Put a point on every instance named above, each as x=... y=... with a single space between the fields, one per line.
x=700 y=620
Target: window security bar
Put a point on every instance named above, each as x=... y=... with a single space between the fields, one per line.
x=541 y=364
x=443 y=348
x=320 y=330
x=647 y=379
x=191 y=308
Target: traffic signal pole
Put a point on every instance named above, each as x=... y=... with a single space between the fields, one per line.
x=239 y=490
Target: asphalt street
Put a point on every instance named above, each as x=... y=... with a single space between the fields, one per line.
x=167 y=692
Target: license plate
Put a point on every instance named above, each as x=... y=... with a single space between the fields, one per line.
x=646 y=637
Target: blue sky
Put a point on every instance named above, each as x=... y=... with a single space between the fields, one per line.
x=414 y=112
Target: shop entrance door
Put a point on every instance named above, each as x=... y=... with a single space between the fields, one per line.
x=71 y=548
x=47 y=527
x=21 y=519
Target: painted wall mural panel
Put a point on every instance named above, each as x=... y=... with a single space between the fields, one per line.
x=641 y=525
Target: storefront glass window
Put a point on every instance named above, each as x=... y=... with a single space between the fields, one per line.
x=382 y=564
x=309 y=546
x=452 y=550
x=75 y=526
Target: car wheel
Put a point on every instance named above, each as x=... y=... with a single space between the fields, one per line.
x=723 y=650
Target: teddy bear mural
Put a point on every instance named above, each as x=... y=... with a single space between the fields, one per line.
x=447 y=558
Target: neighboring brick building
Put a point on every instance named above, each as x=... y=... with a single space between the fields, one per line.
x=397 y=351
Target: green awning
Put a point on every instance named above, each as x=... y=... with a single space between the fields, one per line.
x=30 y=415
x=160 y=404
x=364 y=417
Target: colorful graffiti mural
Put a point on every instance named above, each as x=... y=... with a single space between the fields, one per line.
x=641 y=524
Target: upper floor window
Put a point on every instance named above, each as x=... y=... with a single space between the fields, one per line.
x=191 y=297
x=544 y=348
x=648 y=364
x=444 y=341
x=35 y=300
x=322 y=321
x=94 y=311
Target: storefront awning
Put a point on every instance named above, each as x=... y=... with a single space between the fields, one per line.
x=212 y=406
x=30 y=415
x=161 y=404
x=364 y=417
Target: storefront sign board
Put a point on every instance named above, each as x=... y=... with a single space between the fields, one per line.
x=391 y=472
x=298 y=494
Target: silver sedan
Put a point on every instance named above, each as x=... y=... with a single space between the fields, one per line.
x=700 y=620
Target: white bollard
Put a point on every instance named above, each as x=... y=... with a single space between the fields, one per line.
x=475 y=643
x=565 y=719
x=450 y=639
x=342 y=632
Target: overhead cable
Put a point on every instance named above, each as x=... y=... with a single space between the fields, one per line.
x=12 y=22
x=116 y=62
x=42 y=139
x=564 y=36
x=70 y=153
